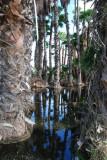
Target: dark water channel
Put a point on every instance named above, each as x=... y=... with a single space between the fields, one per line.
x=58 y=115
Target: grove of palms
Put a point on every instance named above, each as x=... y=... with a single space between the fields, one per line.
x=61 y=59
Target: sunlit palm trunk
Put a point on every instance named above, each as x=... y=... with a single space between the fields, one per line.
x=56 y=42
x=63 y=55
x=69 y=46
x=59 y=52
x=15 y=71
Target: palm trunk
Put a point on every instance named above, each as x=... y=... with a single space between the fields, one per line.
x=40 y=46
x=69 y=46
x=75 y=13
x=15 y=74
x=36 y=56
x=63 y=55
x=78 y=48
x=88 y=32
x=50 y=54
x=59 y=55
x=56 y=43
x=45 y=52
x=83 y=32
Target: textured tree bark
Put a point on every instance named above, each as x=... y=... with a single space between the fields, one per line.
x=59 y=52
x=63 y=55
x=59 y=56
x=45 y=51
x=103 y=101
x=69 y=45
x=40 y=46
x=50 y=54
x=15 y=71
x=56 y=43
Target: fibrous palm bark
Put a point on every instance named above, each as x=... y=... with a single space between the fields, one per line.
x=50 y=52
x=15 y=71
x=45 y=50
x=56 y=42
x=40 y=45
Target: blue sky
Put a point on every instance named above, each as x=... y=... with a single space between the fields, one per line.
x=70 y=13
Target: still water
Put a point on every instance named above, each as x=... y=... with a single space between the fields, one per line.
x=58 y=115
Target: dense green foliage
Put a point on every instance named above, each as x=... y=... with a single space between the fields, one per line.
x=88 y=58
x=64 y=72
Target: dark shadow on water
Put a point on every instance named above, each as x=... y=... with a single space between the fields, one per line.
x=58 y=115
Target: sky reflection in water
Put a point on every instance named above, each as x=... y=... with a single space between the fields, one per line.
x=57 y=116
x=56 y=131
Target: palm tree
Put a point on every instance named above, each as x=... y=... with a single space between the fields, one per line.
x=86 y=16
x=15 y=70
x=78 y=46
x=56 y=43
x=61 y=20
x=45 y=51
x=42 y=36
x=40 y=45
x=84 y=24
x=50 y=52
x=65 y=3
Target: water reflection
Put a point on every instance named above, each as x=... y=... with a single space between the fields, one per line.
x=58 y=115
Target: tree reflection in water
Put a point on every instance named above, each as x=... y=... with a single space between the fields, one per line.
x=58 y=115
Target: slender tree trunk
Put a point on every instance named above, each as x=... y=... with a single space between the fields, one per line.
x=36 y=56
x=65 y=55
x=50 y=52
x=78 y=46
x=83 y=33
x=88 y=32
x=69 y=46
x=59 y=55
x=75 y=13
x=56 y=43
x=59 y=52
x=45 y=52
x=40 y=46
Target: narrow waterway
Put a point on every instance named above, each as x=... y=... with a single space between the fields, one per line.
x=58 y=116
